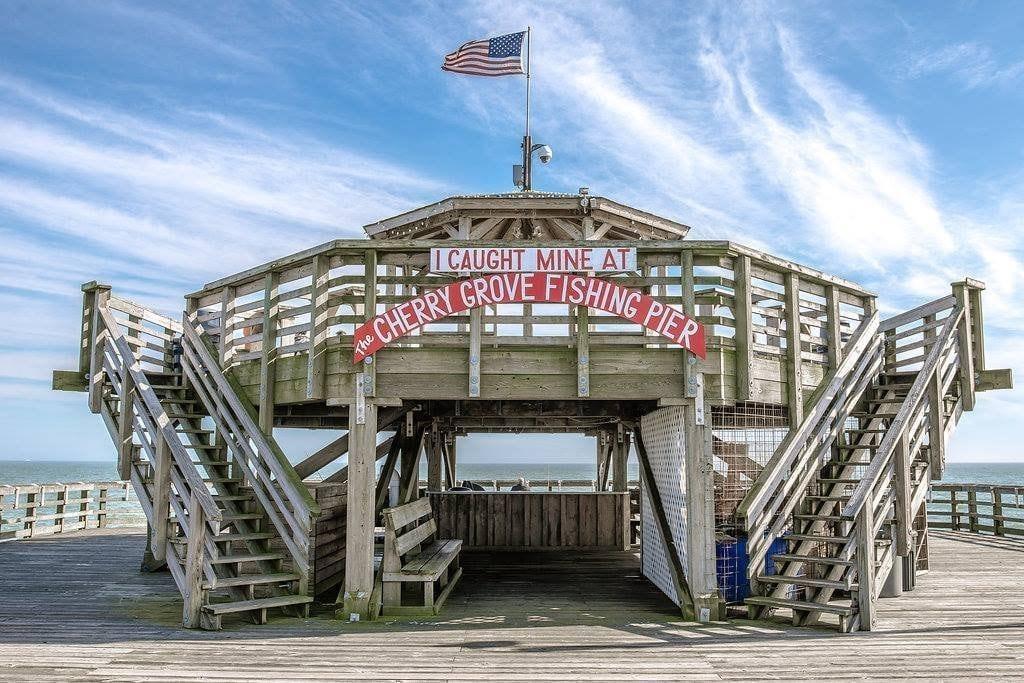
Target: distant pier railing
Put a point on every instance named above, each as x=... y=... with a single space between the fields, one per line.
x=978 y=508
x=30 y=510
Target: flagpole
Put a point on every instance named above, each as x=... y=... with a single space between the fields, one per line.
x=527 y=143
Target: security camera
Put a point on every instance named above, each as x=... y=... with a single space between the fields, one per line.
x=545 y=154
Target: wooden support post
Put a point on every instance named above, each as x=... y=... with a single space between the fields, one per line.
x=412 y=447
x=83 y=507
x=101 y=508
x=865 y=539
x=316 y=362
x=965 y=346
x=901 y=484
x=743 y=315
x=794 y=350
x=62 y=497
x=833 y=327
x=161 y=498
x=434 y=456
x=452 y=460
x=370 y=312
x=268 y=355
x=689 y=297
x=32 y=504
x=100 y=295
x=977 y=327
x=193 y=590
x=620 y=454
x=475 y=330
x=954 y=513
x=465 y=227
x=362 y=458
x=126 y=425
x=700 y=512
x=582 y=351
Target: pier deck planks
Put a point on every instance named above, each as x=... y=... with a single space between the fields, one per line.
x=76 y=607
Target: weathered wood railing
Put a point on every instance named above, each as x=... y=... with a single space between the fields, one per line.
x=272 y=479
x=780 y=488
x=978 y=508
x=30 y=510
x=763 y=308
x=538 y=485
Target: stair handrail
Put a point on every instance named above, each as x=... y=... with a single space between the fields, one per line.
x=204 y=371
x=777 y=468
x=158 y=416
x=902 y=420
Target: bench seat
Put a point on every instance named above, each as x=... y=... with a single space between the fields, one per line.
x=430 y=563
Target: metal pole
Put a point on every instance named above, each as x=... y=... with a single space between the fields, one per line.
x=527 y=142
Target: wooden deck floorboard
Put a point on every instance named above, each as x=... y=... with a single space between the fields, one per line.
x=76 y=607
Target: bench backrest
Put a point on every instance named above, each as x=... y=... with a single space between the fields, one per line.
x=399 y=540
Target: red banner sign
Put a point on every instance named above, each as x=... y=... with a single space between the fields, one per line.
x=514 y=288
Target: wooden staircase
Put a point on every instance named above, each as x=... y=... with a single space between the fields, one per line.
x=227 y=514
x=844 y=488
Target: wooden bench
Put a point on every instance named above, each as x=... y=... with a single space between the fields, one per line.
x=416 y=562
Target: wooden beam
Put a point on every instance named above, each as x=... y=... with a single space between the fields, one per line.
x=161 y=499
x=865 y=539
x=794 y=350
x=434 y=459
x=901 y=486
x=620 y=454
x=227 y=314
x=100 y=297
x=355 y=596
x=465 y=228
x=370 y=312
x=268 y=353
x=193 y=589
x=689 y=297
x=387 y=472
x=700 y=511
x=412 y=446
x=316 y=363
x=743 y=315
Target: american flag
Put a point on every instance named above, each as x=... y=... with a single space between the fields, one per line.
x=501 y=56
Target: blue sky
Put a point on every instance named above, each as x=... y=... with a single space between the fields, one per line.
x=157 y=146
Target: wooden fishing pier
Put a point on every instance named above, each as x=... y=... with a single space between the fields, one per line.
x=787 y=435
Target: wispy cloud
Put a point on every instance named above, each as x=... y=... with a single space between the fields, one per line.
x=971 y=64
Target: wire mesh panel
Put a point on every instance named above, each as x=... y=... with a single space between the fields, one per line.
x=664 y=434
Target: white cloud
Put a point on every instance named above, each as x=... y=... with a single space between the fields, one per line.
x=970 y=63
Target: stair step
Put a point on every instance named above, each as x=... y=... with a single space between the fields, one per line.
x=211 y=463
x=250 y=580
x=807 y=581
x=262 y=603
x=174 y=400
x=166 y=386
x=250 y=536
x=788 y=557
x=822 y=518
x=192 y=430
x=835 y=540
x=838 y=481
x=232 y=516
x=250 y=557
x=186 y=416
x=800 y=605
x=863 y=447
x=827 y=497
x=236 y=497
x=204 y=447
x=222 y=480
x=865 y=431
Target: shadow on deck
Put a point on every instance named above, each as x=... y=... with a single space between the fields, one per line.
x=76 y=606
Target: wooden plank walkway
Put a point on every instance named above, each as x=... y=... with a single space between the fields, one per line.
x=76 y=607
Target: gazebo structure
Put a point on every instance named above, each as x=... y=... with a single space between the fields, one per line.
x=786 y=436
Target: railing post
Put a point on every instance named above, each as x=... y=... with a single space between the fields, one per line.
x=583 y=351
x=475 y=331
x=997 y=511
x=954 y=513
x=866 y=566
x=965 y=344
x=101 y=508
x=193 y=593
x=62 y=497
x=99 y=298
x=370 y=311
x=268 y=356
x=833 y=327
x=83 y=506
x=30 y=510
x=901 y=467
x=972 y=508
x=689 y=309
x=227 y=314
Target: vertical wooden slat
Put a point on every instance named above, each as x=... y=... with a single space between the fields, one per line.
x=362 y=456
x=582 y=351
x=370 y=311
x=977 y=328
x=126 y=426
x=689 y=297
x=744 y=329
x=316 y=362
x=268 y=353
x=475 y=332
x=101 y=295
x=227 y=315
x=794 y=350
x=901 y=485
x=161 y=498
x=833 y=327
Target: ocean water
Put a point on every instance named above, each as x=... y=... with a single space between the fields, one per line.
x=129 y=513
